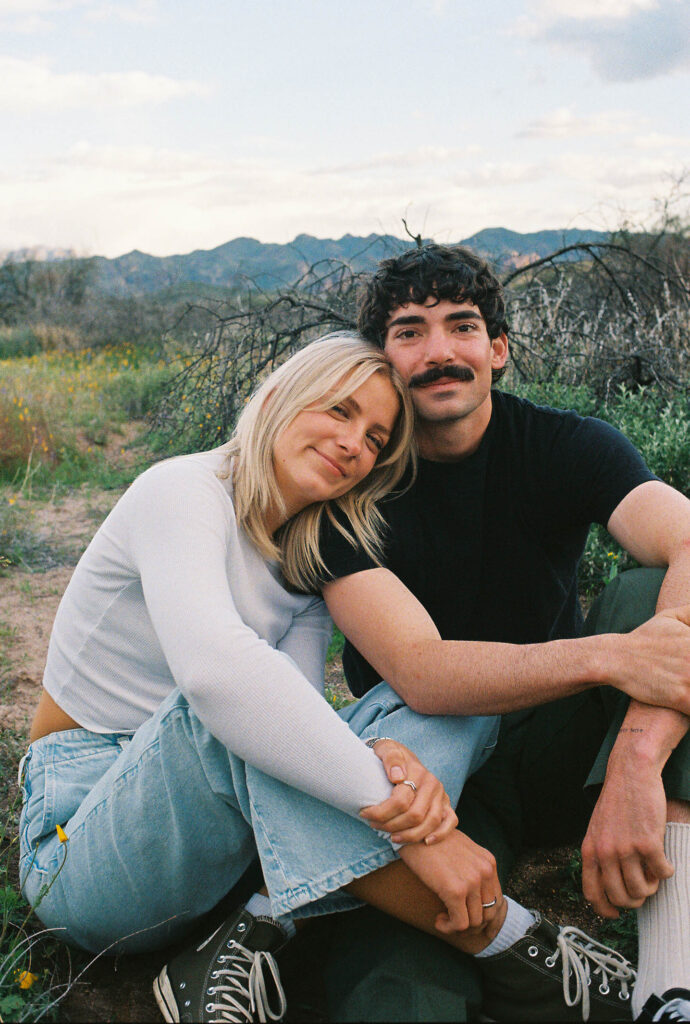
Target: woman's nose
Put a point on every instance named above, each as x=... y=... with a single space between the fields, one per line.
x=351 y=441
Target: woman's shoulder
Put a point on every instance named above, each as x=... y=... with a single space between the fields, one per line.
x=207 y=469
x=186 y=485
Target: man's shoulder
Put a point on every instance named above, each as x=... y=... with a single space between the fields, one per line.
x=523 y=410
x=545 y=428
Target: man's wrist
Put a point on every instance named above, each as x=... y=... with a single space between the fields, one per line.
x=603 y=654
x=642 y=746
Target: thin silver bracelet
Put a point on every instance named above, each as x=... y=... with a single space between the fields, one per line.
x=373 y=740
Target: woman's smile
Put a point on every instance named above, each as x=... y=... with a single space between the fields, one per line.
x=332 y=464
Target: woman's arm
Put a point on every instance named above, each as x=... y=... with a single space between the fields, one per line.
x=251 y=697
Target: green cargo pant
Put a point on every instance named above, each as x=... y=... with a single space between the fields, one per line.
x=537 y=789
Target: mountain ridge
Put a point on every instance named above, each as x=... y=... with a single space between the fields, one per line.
x=245 y=261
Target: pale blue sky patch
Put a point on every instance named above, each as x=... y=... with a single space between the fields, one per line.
x=173 y=126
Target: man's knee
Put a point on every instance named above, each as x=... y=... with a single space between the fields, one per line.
x=381 y=970
x=626 y=602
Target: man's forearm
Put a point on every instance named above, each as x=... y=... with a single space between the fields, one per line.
x=650 y=734
x=651 y=664
x=481 y=678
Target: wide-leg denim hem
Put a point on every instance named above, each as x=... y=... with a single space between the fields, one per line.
x=323 y=895
x=170 y=802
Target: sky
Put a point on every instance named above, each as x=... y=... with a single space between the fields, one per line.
x=173 y=125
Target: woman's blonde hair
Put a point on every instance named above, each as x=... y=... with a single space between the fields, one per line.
x=319 y=376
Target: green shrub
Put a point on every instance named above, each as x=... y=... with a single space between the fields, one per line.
x=579 y=397
x=137 y=394
x=659 y=428
x=18 y=341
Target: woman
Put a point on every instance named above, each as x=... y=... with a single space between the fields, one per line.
x=182 y=725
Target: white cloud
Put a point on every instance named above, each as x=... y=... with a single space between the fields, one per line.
x=658 y=141
x=29 y=85
x=111 y=199
x=624 y=40
x=565 y=124
x=138 y=11
x=584 y=10
x=34 y=16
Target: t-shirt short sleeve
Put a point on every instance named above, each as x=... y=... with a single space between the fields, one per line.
x=341 y=556
x=588 y=469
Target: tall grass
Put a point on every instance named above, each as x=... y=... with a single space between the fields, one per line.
x=58 y=409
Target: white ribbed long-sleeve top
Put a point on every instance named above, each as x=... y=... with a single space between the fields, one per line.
x=171 y=593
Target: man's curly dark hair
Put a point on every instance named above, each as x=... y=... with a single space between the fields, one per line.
x=432 y=271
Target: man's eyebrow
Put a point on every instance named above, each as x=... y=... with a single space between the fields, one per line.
x=464 y=314
x=412 y=319
x=415 y=318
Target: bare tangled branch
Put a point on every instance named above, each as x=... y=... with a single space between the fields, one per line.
x=608 y=314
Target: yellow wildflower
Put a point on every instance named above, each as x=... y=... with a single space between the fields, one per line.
x=25 y=979
x=62 y=835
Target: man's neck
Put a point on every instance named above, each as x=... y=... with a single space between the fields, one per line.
x=453 y=440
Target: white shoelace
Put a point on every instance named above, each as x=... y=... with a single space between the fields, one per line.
x=244 y=979
x=583 y=958
x=676 y=1009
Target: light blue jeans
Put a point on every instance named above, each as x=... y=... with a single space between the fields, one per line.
x=162 y=823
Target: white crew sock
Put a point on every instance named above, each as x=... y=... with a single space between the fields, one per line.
x=260 y=906
x=663 y=923
x=518 y=920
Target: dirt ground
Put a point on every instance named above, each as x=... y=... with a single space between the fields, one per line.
x=120 y=989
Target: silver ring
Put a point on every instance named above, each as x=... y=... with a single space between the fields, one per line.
x=410 y=783
x=492 y=904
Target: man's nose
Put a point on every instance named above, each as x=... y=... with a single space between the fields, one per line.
x=439 y=347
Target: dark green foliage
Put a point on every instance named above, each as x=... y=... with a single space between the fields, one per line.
x=16 y=342
x=138 y=394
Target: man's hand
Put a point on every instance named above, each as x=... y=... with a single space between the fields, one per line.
x=463 y=876
x=623 y=857
x=411 y=817
x=656 y=664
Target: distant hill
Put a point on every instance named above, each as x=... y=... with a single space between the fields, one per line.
x=510 y=248
x=245 y=261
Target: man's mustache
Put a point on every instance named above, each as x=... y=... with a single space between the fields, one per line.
x=463 y=373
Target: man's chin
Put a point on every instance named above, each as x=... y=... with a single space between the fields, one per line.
x=433 y=409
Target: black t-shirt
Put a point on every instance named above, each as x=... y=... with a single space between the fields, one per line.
x=490 y=545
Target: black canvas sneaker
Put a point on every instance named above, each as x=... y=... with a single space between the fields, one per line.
x=231 y=976
x=556 y=974
x=673 y=1005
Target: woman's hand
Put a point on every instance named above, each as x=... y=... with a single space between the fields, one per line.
x=463 y=876
x=411 y=815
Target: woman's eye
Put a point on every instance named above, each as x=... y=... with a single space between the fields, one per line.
x=340 y=410
x=377 y=442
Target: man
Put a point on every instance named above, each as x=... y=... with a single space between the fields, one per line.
x=488 y=539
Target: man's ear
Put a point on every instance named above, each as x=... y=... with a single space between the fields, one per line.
x=499 y=351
